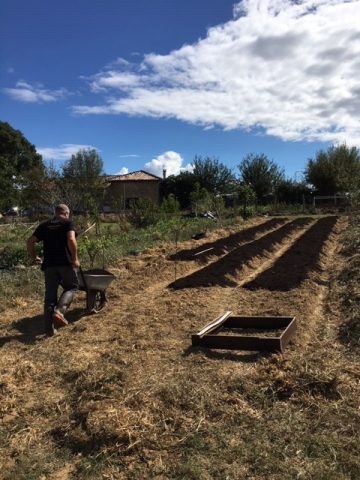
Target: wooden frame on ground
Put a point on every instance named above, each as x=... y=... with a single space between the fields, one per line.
x=210 y=336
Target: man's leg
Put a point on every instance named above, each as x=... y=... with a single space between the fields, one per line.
x=69 y=281
x=52 y=281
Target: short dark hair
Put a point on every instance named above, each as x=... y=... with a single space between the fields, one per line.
x=61 y=208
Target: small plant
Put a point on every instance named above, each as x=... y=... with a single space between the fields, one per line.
x=218 y=205
x=95 y=248
x=246 y=200
x=170 y=206
x=201 y=200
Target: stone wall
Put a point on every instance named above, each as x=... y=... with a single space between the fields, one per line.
x=121 y=194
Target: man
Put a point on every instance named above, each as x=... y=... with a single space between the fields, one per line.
x=59 y=265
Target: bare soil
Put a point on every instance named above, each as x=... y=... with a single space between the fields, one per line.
x=123 y=394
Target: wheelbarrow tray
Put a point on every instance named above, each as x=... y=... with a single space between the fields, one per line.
x=94 y=282
x=95 y=279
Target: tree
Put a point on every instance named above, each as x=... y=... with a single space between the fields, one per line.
x=200 y=199
x=261 y=174
x=51 y=190
x=246 y=195
x=83 y=181
x=180 y=186
x=291 y=192
x=335 y=170
x=210 y=175
x=21 y=167
x=213 y=175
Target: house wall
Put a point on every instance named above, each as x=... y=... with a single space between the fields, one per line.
x=117 y=191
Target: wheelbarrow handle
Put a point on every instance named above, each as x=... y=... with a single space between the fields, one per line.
x=83 y=278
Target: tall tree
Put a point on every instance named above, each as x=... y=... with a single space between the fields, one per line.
x=261 y=174
x=51 y=189
x=213 y=175
x=335 y=170
x=180 y=186
x=21 y=167
x=83 y=180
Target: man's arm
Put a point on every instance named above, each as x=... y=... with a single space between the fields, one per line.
x=30 y=246
x=72 y=245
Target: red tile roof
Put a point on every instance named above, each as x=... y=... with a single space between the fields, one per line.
x=139 y=175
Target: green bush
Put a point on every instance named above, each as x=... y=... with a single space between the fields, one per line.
x=248 y=211
x=10 y=256
x=170 y=206
x=97 y=248
x=143 y=214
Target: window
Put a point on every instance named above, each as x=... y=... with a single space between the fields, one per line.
x=131 y=202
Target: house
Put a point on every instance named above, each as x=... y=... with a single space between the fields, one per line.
x=123 y=191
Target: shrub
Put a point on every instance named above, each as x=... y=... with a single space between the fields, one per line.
x=97 y=248
x=248 y=211
x=170 y=205
x=13 y=255
x=143 y=214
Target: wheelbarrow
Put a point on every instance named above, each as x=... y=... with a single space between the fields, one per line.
x=94 y=282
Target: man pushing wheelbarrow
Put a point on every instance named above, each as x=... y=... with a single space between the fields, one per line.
x=60 y=264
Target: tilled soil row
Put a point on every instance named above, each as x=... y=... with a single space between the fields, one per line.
x=156 y=309
x=295 y=265
x=223 y=245
x=227 y=270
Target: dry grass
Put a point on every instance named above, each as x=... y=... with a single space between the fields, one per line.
x=123 y=395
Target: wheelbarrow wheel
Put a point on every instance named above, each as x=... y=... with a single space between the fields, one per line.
x=95 y=301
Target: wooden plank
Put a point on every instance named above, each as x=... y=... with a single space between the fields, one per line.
x=241 y=343
x=203 y=251
x=257 y=322
x=288 y=333
x=211 y=327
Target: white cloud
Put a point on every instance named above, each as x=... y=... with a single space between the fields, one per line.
x=122 y=171
x=116 y=75
x=62 y=152
x=288 y=69
x=27 y=93
x=170 y=161
x=114 y=79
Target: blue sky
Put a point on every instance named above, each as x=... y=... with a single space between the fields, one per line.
x=151 y=84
